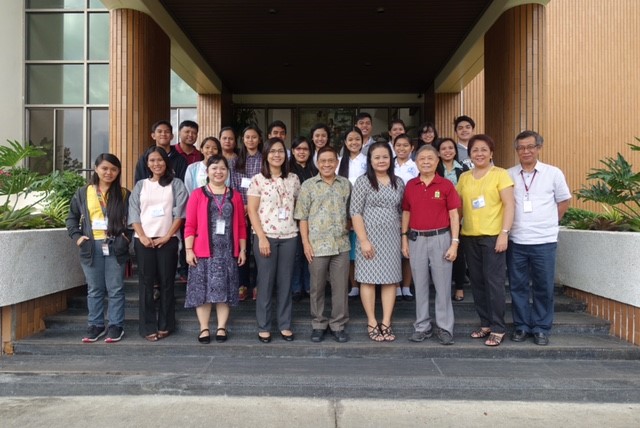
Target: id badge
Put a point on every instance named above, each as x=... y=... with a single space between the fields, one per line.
x=528 y=206
x=245 y=183
x=157 y=211
x=478 y=203
x=282 y=213
x=99 y=224
x=105 y=249
x=220 y=226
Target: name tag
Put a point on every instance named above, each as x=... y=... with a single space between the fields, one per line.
x=478 y=203
x=99 y=224
x=105 y=249
x=282 y=213
x=245 y=183
x=527 y=206
x=157 y=211
x=220 y=226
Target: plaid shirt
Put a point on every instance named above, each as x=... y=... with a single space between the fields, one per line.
x=253 y=166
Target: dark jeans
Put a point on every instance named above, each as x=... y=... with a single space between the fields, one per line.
x=301 y=278
x=247 y=272
x=157 y=266
x=487 y=271
x=535 y=264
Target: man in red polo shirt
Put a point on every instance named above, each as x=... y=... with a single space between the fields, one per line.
x=430 y=232
x=187 y=137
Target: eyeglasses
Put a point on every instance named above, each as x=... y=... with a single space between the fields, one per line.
x=528 y=148
x=276 y=152
x=301 y=149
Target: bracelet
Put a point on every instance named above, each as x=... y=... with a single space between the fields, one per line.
x=189 y=248
x=243 y=251
x=456 y=240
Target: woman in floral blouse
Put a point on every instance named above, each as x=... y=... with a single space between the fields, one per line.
x=270 y=203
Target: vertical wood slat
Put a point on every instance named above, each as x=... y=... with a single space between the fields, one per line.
x=592 y=85
x=448 y=107
x=209 y=115
x=139 y=91
x=514 y=76
x=469 y=102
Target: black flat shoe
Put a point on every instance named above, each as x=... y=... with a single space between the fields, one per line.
x=540 y=339
x=264 y=339
x=204 y=339
x=287 y=337
x=519 y=336
x=221 y=337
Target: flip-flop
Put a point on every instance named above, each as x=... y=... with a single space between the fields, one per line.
x=153 y=337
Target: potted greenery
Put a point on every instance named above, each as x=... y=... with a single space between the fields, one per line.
x=599 y=252
x=37 y=257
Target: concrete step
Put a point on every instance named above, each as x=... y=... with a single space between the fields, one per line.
x=243 y=320
x=61 y=343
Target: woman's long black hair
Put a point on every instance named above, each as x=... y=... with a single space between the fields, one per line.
x=371 y=174
x=241 y=162
x=343 y=169
x=116 y=210
x=167 y=178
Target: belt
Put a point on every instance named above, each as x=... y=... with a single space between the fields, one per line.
x=433 y=232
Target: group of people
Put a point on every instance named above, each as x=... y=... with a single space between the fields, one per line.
x=379 y=215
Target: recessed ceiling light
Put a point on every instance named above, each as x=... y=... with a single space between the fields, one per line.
x=380 y=10
x=272 y=11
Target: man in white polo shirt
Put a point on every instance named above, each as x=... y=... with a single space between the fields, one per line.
x=542 y=197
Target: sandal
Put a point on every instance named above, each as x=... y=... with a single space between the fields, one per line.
x=481 y=333
x=153 y=337
x=221 y=337
x=387 y=333
x=495 y=339
x=162 y=334
x=204 y=339
x=375 y=334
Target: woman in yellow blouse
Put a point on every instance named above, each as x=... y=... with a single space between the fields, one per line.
x=487 y=211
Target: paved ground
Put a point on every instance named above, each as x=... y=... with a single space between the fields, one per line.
x=155 y=411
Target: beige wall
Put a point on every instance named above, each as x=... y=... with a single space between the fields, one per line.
x=12 y=71
x=593 y=83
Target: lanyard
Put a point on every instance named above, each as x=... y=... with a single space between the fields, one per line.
x=221 y=205
x=102 y=201
x=526 y=188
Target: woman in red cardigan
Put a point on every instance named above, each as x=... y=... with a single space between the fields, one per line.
x=216 y=242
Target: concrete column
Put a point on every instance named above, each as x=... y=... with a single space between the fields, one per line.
x=209 y=115
x=514 y=61
x=139 y=91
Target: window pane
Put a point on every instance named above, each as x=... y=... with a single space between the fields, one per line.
x=99 y=36
x=411 y=118
x=69 y=141
x=99 y=84
x=55 y=36
x=55 y=4
x=337 y=119
x=55 y=84
x=178 y=115
x=96 y=4
x=40 y=133
x=98 y=133
x=246 y=116
x=283 y=114
x=181 y=94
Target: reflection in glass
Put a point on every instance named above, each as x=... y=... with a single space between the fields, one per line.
x=99 y=36
x=285 y=115
x=55 y=4
x=181 y=94
x=55 y=84
x=55 y=36
x=178 y=115
x=40 y=133
x=98 y=133
x=337 y=119
x=99 y=84
x=69 y=141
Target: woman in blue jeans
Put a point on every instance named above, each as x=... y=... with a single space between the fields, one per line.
x=97 y=222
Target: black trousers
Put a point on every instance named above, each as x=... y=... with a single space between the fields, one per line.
x=488 y=275
x=157 y=266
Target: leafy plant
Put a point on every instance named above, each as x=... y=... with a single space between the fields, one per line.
x=52 y=191
x=617 y=189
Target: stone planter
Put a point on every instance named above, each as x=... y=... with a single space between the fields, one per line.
x=606 y=264
x=36 y=263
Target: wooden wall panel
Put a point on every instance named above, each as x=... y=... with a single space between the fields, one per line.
x=139 y=92
x=448 y=107
x=514 y=75
x=593 y=84
x=470 y=102
x=209 y=115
